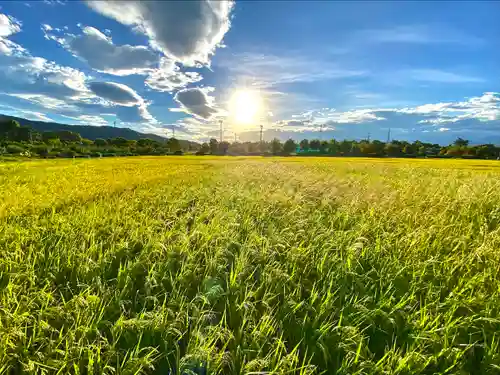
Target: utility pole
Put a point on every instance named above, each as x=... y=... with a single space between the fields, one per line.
x=173 y=131
x=234 y=137
x=114 y=123
x=321 y=131
x=220 y=123
x=368 y=137
x=389 y=136
x=261 y=130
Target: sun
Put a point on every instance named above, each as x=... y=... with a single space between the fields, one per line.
x=245 y=106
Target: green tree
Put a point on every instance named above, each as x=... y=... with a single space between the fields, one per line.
x=24 y=134
x=7 y=128
x=144 y=142
x=323 y=148
x=392 y=149
x=14 y=149
x=290 y=146
x=205 y=148
x=304 y=144
x=69 y=136
x=488 y=151
x=99 y=142
x=408 y=150
x=367 y=148
x=214 y=146
x=276 y=146
x=173 y=144
x=346 y=147
x=315 y=144
x=223 y=147
x=333 y=147
x=461 y=142
x=119 y=142
x=47 y=136
x=378 y=147
x=455 y=151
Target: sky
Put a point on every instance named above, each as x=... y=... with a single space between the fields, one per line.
x=301 y=69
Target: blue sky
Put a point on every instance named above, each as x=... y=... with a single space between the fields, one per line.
x=425 y=70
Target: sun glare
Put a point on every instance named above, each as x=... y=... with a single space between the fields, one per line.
x=245 y=106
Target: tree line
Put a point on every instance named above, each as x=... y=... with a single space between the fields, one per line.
x=25 y=141
x=375 y=148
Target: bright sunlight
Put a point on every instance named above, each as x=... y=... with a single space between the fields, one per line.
x=245 y=106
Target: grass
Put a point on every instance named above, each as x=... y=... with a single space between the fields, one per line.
x=166 y=265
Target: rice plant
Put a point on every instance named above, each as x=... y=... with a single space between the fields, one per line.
x=185 y=265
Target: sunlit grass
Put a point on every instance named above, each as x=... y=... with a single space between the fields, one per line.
x=250 y=265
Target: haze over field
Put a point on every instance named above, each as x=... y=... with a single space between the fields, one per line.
x=425 y=70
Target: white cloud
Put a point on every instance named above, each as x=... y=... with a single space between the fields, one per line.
x=20 y=72
x=197 y=102
x=88 y=120
x=101 y=54
x=64 y=90
x=54 y=2
x=134 y=114
x=482 y=108
x=129 y=106
x=8 y=25
x=36 y=116
x=46 y=101
x=169 y=77
x=332 y=116
x=186 y=31
x=116 y=93
x=299 y=126
x=444 y=129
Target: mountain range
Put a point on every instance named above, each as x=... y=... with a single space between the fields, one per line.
x=91 y=132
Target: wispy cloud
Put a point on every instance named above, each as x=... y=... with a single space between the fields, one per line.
x=420 y=34
x=440 y=76
x=267 y=70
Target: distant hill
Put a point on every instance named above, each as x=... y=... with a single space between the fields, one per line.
x=92 y=132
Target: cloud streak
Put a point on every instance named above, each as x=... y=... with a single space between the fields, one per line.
x=420 y=34
x=266 y=70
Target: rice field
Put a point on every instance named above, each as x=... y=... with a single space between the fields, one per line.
x=201 y=265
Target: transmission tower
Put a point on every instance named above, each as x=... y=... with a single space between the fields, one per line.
x=220 y=135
